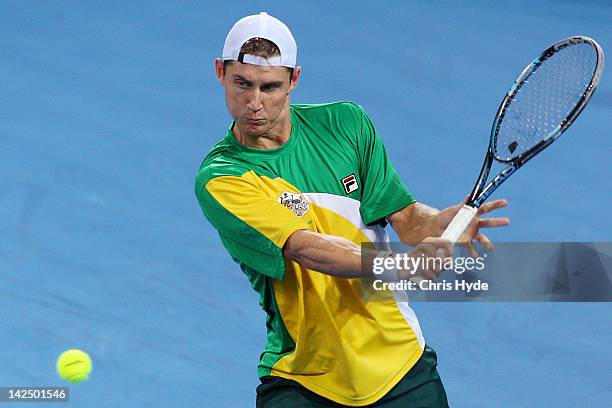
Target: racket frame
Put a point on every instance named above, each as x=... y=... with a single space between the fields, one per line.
x=481 y=192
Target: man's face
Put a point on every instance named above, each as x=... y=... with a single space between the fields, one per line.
x=257 y=97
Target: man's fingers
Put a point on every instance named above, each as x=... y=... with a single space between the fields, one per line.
x=472 y=250
x=434 y=251
x=493 y=222
x=437 y=247
x=492 y=205
x=429 y=275
x=484 y=240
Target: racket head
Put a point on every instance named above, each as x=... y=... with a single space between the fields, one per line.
x=546 y=98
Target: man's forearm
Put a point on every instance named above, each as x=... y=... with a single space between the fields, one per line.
x=342 y=258
x=323 y=253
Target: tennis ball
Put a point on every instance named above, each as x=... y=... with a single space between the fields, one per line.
x=74 y=365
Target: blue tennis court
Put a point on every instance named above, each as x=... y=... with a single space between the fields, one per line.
x=108 y=109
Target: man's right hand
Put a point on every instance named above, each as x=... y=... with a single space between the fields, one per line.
x=429 y=257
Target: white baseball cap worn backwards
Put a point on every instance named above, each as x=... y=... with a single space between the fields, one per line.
x=265 y=26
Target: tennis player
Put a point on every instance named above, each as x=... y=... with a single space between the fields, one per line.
x=292 y=191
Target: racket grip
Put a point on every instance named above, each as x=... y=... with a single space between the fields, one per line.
x=459 y=223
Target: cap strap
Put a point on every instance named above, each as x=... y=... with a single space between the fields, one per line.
x=258 y=60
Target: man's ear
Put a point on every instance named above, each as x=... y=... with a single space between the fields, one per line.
x=295 y=78
x=219 y=70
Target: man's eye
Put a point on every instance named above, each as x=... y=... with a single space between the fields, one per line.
x=242 y=85
x=269 y=88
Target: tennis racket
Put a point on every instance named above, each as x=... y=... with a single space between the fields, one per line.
x=541 y=104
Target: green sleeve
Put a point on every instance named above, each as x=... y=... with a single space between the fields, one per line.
x=383 y=191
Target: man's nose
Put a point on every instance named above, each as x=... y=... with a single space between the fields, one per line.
x=255 y=104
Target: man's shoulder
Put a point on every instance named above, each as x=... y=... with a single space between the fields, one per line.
x=341 y=122
x=219 y=162
x=344 y=119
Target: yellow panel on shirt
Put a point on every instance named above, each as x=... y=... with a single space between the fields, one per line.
x=345 y=349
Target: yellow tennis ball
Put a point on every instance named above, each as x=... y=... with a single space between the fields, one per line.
x=74 y=365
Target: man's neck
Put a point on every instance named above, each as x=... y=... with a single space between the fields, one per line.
x=273 y=139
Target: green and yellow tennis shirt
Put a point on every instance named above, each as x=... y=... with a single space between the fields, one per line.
x=333 y=177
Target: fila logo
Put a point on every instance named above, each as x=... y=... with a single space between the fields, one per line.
x=350 y=184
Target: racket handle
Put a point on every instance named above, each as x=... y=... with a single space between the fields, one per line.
x=459 y=223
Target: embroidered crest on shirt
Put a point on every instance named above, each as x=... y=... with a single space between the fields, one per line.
x=294 y=202
x=350 y=184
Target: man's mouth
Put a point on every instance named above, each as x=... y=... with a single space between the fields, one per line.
x=256 y=121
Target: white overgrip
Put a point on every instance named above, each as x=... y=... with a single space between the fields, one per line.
x=459 y=223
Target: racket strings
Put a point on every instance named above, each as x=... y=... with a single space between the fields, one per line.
x=545 y=99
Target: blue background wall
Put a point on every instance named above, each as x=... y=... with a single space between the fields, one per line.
x=106 y=110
